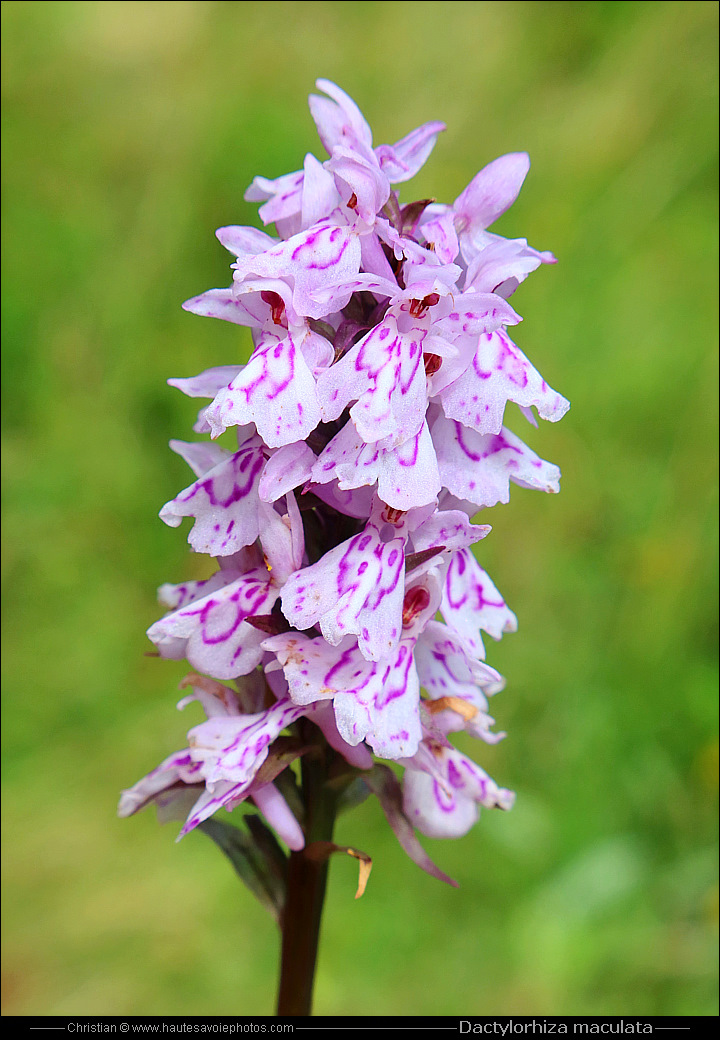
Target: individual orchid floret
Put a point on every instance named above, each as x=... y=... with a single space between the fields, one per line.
x=354 y=589
x=275 y=391
x=472 y=603
x=498 y=373
x=208 y=624
x=224 y=502
x=442 y=795
x=212 y=632
x=373 y=701
x=489 y=194
x=480 y=468
x=322 y=255
x=223 y=762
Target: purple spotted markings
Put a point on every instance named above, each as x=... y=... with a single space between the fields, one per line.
x=345 y=605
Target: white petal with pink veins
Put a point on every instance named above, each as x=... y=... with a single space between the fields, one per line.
x=472 y=603
x=479 y=468
x=224 y=503
x=323 y=255
x=385 y=376
x=407 y=476
x=217 y=640
x=234 y=747
x=275 y=390
x=445 y=803
x=499 y=373
x=177 y=768
x=376 y=702
x=356 y=588
x=449 y=668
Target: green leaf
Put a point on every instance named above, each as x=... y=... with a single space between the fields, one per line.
x=353 y=794
x=255 y=864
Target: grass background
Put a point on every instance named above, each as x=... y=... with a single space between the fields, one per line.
x=131 y=131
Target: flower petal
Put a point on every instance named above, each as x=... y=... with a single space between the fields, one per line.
x=488 y=195
x=356 y=588
x=177 y=768
x=208 y=383
x=471 y=603
x=407 y=476
x=224 y=503
x=211 y=632
x=339 y=121
x=402 y=160
x=479 y=468
x=499 y=373
x=384 y=375
x=275 y=390
x=445 y=804
x=288 y=468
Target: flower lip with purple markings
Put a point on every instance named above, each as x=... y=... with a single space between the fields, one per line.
x=374 y=418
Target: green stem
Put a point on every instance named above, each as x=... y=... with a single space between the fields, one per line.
x=306 y=882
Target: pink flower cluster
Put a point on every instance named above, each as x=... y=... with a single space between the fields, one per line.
x=370 y=429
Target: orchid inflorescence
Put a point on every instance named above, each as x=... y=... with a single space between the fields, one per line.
x=369 y=424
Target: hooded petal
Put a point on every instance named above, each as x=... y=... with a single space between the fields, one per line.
x=243 y=240
x=200 y=456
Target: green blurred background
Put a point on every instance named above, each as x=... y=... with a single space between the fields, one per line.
x=131 y=131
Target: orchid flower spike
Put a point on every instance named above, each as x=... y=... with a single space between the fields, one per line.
x=374 y=419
